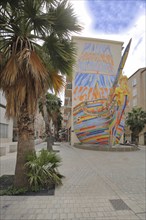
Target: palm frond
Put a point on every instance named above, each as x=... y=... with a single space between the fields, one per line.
x=9 y=74
x=66 y=21
x=23 y=78
x=61 y=52
x=36 y=67
x=56 y=81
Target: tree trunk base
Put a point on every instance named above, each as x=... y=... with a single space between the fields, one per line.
x=25 y=148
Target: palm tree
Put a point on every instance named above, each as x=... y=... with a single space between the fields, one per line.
x=58 y=125
x=57 y=121
x=56 y=113
x=24 y=76
x=53 y=105
x=136 y=121
x=57 y=85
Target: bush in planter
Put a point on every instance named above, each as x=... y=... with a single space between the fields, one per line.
x=42 y=170
x=13 y=191
x=7 y=186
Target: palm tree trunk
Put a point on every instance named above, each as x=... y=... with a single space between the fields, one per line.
x=25 y=145
x=56 y=133
x=47 y=126
x=136 y=140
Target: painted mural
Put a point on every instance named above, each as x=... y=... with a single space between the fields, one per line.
x=95 y=74
x=102 y=96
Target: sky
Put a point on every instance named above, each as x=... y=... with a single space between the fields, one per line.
x=117 y=20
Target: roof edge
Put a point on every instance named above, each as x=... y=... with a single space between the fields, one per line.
x=143 y=69
x=97 y=39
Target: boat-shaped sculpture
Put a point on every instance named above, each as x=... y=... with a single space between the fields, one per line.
x=101 y=121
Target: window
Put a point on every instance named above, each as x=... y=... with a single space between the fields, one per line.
x=134 y=91
x=69 y=86
x=66 y=117
x=134 y=102
x=134 y=82
x=67 y=99
x=3 y=130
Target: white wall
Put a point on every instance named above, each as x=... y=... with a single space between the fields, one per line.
x=85 y=54
x=3 y=120
x=39 y=125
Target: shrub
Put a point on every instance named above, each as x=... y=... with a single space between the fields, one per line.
x=13 y=191
x=42 y=170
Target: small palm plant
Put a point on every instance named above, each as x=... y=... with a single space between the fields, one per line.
x=42 y=170
x=136 y=121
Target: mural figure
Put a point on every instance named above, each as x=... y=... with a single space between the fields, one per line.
x=99 y=117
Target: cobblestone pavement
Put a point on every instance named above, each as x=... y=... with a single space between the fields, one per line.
x=92 y=180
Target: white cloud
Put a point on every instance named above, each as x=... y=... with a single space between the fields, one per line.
x=81 y=13
x=137 y=54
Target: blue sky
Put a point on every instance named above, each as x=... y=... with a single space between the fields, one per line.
x=116 y=20
x=114 y=16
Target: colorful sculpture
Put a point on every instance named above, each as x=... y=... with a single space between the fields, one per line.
x=101 y=121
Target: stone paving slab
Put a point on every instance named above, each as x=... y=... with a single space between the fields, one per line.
x=91 y=180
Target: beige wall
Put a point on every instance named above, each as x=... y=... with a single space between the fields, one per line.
x=39 y=125
x=113 y=48
x=137 y=88
x=137 y=98
x=67 y=108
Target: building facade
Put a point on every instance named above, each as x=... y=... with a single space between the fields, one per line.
x=67 y=111
x=97 y=62
x=137 y=98
x=39 y=125
x=6 y=126
x=93 y=76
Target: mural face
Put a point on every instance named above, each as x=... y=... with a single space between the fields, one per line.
x=102 y=96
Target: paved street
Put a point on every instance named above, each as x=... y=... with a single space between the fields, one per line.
x=94 y=180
